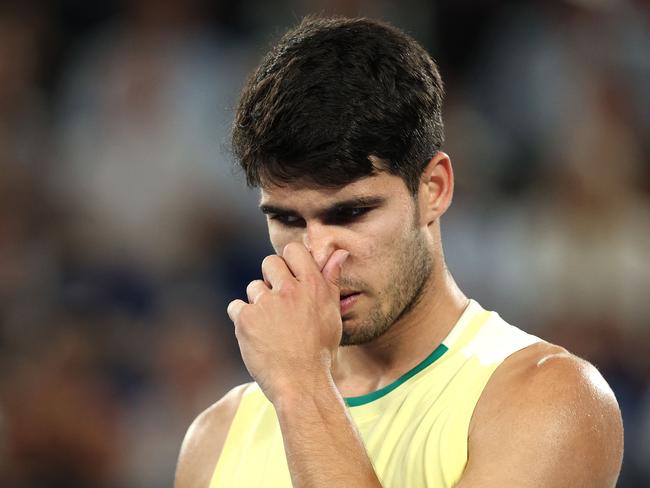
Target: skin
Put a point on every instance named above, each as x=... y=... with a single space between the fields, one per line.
x=546 y=418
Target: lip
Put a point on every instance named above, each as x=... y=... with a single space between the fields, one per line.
x=348 y=302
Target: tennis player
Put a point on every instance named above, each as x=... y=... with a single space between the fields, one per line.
x=371 y=366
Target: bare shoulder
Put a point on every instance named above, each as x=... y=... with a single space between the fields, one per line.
x=551 y=418
x=205 y=439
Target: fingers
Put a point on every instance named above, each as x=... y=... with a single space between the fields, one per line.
x=255 y=289
x=332 y=268
x=234 y=309
x=299 y=260
x=275 y=271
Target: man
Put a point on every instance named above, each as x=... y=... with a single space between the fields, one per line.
x=371 y=367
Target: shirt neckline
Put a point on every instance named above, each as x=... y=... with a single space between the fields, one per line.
x=369 y=397
x=470 y=311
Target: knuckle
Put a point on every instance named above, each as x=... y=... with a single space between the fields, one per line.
x=262 y=300
x=232 y=307
x=252 y=286
x=286 y=288
x=292 y=248
x=244 y=316
x=270 y=260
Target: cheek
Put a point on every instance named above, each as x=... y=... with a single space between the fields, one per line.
x=281 y=237
x=388 y=234
x=380 y=243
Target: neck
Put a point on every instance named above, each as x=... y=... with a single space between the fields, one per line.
x=365 y=368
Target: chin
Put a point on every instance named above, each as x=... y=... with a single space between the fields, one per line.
x=356 y=336
x=350 y=332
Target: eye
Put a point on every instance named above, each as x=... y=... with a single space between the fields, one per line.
x=287 y=220
x=354 y=212
x=346 y=215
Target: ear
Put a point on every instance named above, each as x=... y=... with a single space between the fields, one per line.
x=436 y=188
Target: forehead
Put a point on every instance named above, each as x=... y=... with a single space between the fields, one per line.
x=297 y=196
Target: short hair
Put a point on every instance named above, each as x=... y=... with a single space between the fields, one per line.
x=333 y=95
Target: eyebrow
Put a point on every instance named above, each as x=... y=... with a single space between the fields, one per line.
x=338 y=206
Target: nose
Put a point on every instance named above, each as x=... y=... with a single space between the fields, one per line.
x=321 y=242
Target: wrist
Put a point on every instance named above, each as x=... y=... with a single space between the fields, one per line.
x=319 y=391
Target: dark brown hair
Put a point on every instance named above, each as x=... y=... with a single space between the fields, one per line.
x=332 y=93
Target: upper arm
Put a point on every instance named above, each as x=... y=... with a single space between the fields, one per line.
x=204 y=441
x=545 y=419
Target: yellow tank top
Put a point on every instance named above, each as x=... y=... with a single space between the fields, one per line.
x=414 y=430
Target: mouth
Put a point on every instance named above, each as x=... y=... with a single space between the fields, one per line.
x=348 y=293
x=348 y=299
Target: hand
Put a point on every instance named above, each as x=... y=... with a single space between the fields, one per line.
x=290 y=329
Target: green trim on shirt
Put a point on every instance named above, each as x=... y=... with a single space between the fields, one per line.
x=370 y=397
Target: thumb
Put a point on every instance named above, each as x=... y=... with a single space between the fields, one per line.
x=332 y=269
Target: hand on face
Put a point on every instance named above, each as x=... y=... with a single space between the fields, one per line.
x=289 y=330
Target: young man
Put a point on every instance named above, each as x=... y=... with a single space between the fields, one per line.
x=371 y=367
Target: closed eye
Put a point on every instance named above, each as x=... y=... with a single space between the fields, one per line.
x=341 y=213
x=287 y=220
x=346 y=215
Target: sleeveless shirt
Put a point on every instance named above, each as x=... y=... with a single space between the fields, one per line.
x=415 y=430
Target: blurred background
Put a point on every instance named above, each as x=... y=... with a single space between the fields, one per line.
x=125 y=231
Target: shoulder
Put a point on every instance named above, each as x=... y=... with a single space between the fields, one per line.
x=205 y=439
x=546 y=374
x=541 y=407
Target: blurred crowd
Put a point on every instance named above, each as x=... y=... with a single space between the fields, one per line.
x=125 y=230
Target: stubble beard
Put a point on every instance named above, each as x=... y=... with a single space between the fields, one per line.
x=412 y=271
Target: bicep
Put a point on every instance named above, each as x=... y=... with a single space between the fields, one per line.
x=557 y=424
x=204 y=441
